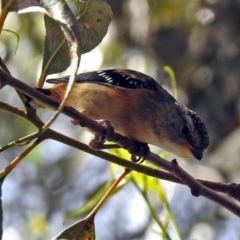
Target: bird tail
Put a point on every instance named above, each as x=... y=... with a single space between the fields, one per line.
x=57 y=80
x=81 y=78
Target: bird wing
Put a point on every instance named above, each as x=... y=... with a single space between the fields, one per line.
x=121 y=78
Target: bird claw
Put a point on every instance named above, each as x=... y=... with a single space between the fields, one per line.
x=98 y=141
x=108 y=133
x=140 y=152
x=74 y=122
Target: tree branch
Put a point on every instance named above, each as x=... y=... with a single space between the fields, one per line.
x=174 y=172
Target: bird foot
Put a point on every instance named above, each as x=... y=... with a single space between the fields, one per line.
x=98 y=141
x=139 y=151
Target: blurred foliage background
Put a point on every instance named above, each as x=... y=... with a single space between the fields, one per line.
x=200 y=40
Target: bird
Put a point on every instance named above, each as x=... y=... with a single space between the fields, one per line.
x=137 y=107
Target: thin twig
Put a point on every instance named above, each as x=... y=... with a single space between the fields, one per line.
x=197 y=188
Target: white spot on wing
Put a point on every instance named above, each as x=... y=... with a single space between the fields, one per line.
x=103 y=74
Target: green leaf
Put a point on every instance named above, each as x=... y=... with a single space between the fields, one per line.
x=56 y=56
x=94 y=199
x=154 y=215
x=16 y=35
x=60 y=11
x=93 y=18
x=156 y=186
x=82 y=230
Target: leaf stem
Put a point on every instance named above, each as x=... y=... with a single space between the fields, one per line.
x=108 y=193
x=17 y=160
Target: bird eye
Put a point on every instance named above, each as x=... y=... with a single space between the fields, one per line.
x=185 y=131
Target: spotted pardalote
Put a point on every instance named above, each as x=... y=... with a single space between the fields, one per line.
x=137 y=107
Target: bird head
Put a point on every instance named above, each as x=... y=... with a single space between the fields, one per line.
x=185 y=134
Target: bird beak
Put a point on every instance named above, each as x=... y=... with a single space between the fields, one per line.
x=197 y=153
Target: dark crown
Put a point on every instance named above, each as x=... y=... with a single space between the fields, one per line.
x=200 y=128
